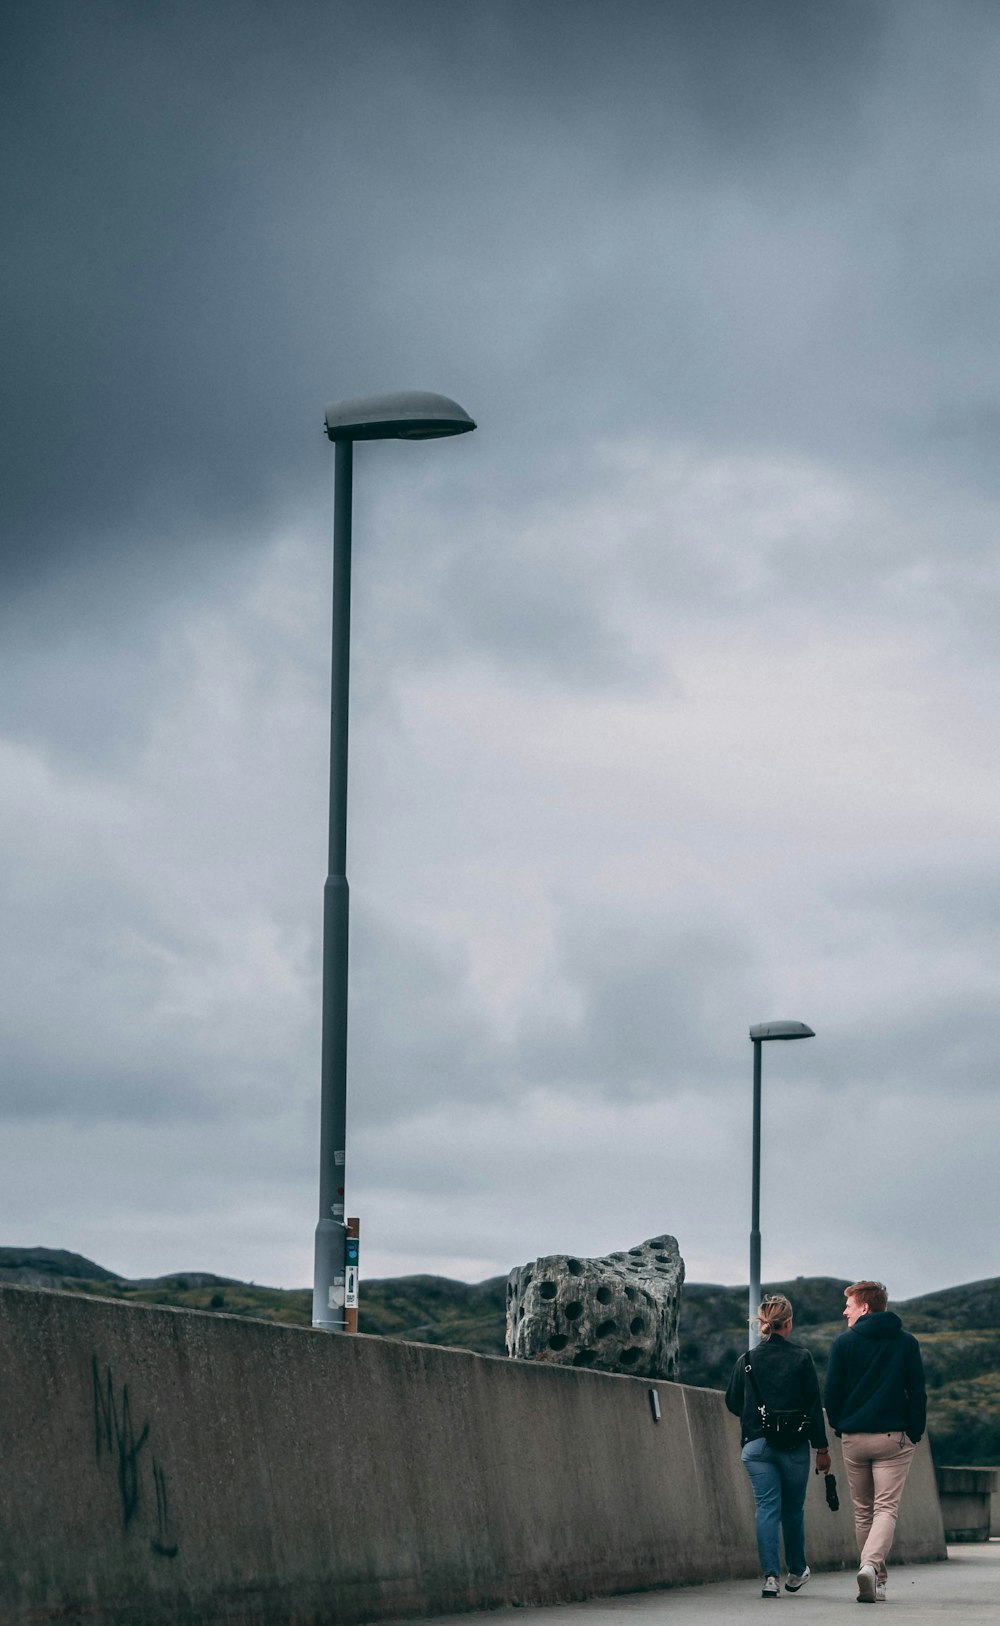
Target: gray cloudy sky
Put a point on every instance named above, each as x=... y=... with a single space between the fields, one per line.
x=676 y=687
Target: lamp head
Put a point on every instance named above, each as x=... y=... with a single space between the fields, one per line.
x=781 y=1030
x=409 y=415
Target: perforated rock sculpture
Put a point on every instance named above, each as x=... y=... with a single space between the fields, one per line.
x=616 y=1314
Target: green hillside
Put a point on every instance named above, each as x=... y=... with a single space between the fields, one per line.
x=958 y=1327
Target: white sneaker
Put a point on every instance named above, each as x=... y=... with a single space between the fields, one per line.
x=866 y=1583
x=795 y=1583
x=771 y=1587
x=880 y=1592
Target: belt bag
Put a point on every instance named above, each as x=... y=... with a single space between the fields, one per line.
x=783 y=1430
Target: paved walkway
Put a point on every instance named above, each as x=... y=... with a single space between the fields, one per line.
x=966 y=1589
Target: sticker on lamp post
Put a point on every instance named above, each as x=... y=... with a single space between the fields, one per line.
x=336 y=1294
x=352 y=1247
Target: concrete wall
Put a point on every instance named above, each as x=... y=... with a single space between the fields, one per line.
x=163 y=1466
x=966 y=1496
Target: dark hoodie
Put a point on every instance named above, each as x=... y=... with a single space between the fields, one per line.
x=875 y=1379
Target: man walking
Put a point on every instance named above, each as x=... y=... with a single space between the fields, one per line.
x=876 y=1400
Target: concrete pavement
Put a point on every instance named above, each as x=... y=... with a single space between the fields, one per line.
x=966 y=1589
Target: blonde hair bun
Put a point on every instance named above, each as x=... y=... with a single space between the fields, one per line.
x=774 y=1311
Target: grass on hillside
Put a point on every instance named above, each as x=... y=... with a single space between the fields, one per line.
x=289 y=1307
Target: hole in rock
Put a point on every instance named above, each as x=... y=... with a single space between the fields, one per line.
x=636 y=1325
x=604 y=1329
x=558 y=1340
x=630 y=1292
x=628 y=1357
x=548 y=1290
x=604 y=1295
x=584 y=1357
x=574 y=1310
x=574 y=1267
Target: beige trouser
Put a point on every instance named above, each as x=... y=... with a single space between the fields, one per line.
x=877 y=1466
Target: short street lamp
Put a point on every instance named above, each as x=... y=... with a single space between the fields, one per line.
x=410 y=416
x=760 y=1035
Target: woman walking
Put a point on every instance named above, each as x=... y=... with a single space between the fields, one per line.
x=774 y=1392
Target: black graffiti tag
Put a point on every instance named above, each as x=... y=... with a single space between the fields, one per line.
x=160 y=1542
x=116 y=1436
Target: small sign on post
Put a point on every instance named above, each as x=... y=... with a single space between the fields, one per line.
x=352 y=1247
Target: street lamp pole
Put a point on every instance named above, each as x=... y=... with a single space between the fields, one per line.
x=759 y=1036
x=331 y=1232
x=410 y=416
x=755 y=1199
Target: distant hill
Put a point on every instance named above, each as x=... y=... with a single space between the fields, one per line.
x=958 y=1327
x=49 y=1267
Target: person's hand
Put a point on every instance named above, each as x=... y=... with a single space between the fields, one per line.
x=823 y=1462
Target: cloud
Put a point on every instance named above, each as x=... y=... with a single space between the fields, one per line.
x=674 y=688
x=645 y=1004
x=259 y=216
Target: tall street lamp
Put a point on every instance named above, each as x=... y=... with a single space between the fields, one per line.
x=413 y=415
x=760 y=1035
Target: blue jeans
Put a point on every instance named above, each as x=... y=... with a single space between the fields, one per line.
x=779 y=1480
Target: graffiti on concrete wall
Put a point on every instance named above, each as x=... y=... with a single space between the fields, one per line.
x=124 y=1445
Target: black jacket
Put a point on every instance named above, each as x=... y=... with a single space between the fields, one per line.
x=787 y=1381
x=875 y=1379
